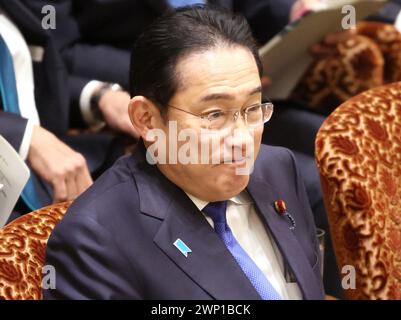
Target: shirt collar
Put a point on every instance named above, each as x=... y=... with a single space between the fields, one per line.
x=240 y=199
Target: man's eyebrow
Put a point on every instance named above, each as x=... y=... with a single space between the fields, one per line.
x=256 y=90
x=226 y=96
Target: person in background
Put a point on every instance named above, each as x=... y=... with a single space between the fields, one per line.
x=34 y=114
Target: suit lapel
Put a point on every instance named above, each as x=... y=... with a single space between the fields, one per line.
x=210 y=265
x=291 y=250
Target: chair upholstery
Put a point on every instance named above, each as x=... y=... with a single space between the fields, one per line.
x=366 y=59
x=22 y=252
x=358 y=153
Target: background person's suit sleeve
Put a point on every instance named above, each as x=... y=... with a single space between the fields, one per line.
x=93 y=62
x=84 y=61
x=12 y=128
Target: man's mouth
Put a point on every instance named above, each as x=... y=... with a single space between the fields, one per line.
x=236 y=160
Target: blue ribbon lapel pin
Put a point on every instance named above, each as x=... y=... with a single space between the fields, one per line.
x=180 y=245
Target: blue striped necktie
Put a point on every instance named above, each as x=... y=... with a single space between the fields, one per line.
x=217 y=211
x=8 y=94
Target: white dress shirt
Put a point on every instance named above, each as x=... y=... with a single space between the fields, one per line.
x=23 y=70
x=257 y=242
x=84 y=102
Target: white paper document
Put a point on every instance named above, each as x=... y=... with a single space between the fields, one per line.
x=287 y=56
x=14 y=174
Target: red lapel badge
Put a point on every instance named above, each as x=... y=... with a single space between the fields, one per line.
x=281 y=209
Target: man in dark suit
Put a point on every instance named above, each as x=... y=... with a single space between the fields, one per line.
x=92 y=34
x=94 y=37
x=178 y=220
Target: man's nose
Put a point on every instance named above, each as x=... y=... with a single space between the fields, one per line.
x=238 y=121
x=236 y=115
x=241 y=135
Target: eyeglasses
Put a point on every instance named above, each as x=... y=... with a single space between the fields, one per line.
x=253 y=116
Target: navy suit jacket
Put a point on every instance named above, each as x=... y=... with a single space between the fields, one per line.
x=116 y=240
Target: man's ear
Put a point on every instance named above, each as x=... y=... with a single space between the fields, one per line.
x=144 y=115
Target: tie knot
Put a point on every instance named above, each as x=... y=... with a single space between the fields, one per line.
x=216 y=211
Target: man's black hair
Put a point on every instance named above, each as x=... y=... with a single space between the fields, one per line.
x=187 y=30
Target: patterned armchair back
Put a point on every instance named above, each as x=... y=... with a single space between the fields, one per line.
x=22 y=252
x=358 y=153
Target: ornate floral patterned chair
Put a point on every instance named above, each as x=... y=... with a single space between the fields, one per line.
x=368 y=58
x=22 y=252
x=358 y=153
